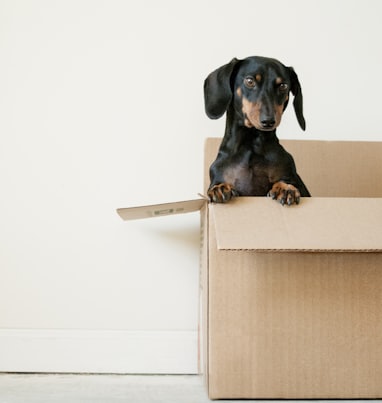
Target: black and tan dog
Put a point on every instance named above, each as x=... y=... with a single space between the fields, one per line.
x=254 y=92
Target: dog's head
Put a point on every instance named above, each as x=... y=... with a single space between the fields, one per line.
x=259 y=89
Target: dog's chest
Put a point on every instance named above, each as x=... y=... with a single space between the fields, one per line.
x=250 y=177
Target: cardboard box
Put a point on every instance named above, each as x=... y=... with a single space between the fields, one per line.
x=292 y=296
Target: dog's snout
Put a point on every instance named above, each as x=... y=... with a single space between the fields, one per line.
x=268 y=122
x=267 y=113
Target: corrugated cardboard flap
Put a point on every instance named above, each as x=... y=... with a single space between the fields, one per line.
x=158 y=210
x=316 y=224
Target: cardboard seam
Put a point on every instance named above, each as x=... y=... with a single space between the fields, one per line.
x=207 y=294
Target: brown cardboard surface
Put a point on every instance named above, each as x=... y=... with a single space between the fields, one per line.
x=294 y=325
x=339 y=168
x=317 y=224
x=307 y=323
x=158 y=210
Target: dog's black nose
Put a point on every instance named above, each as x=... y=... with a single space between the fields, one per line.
x=267 y=123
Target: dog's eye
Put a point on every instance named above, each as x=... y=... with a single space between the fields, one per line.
x=283 y=87
x=249 y=82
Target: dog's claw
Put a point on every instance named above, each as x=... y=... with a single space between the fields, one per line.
x=222 y=193
x=285 y=193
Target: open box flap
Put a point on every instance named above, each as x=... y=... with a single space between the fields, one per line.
x=158 y=210
x=316 y=224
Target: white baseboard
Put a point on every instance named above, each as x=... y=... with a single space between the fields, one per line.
x=98 y=351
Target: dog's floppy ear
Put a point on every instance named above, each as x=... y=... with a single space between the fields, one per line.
x=297 y=102
x=217 y=90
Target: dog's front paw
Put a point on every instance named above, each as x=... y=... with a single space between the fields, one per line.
x=221 y=193
x=285 y=193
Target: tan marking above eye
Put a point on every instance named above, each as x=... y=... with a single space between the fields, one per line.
x=279 y=80
x=258 y=77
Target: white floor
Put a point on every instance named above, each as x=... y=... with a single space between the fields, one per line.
x=22 y=388
x=29 y=388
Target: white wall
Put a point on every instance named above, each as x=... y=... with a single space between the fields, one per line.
x=101 y=107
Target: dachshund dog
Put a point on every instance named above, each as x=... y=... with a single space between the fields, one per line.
x=254 y=92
